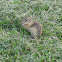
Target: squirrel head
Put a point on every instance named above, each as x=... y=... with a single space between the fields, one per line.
x=26 y=22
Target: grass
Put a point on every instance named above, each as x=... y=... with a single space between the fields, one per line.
x=15 y=42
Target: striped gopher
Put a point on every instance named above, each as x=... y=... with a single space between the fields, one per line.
x=34 y=27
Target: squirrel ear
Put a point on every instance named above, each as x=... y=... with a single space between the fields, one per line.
x=29 y=18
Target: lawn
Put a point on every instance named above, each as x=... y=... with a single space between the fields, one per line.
x=15 y=41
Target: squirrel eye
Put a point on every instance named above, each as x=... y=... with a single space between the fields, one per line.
x=26 y=20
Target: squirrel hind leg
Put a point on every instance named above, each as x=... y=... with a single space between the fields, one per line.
x=34 y=37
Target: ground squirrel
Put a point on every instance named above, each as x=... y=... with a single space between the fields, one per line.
x=34 y=27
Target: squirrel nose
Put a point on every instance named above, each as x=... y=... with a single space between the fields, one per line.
x=22 y=24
